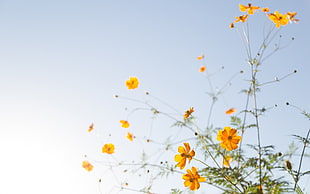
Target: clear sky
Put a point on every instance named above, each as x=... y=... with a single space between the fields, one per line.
x=62 y=61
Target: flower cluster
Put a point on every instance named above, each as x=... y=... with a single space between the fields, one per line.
x=277 y=18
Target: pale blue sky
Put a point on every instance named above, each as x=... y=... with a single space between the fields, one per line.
x=61 y=62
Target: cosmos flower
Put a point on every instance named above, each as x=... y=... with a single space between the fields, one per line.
x=87 y=166
x=202 y=68
x=185 y=153
x=265 y=9
x=227 y=160
x=188 y=113
x=108 y=148
x=231 y=25
x=129 y=136
x=229 y=138
x=192 y=179
x=278 y=18
x=200 y=57
x=91 y=127
x=230 y=111
x=125 y=124
x=291 y=16
x=132 y=83
x=241 y=18
x=250 y=9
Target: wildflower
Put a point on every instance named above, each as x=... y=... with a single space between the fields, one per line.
x=185 y=153
x=265 y=9
x=188 y=112
x=230 y=111
x=250 y=9
x=129 y=136
x=241 y=18
x=132 y=83
x=200 y=57
x=227 y=160
x=231 y=25
x=278 y=18
x=91 y=127
x=291 y=16
x=108 y=148
x=87 y=166
x=229 y=138
x=125 y=124
x=202 y=68
x=192 y=179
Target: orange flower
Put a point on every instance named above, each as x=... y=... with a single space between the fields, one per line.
x=231 y=25
x=278 y=18
x=227 y=160
x=185 y=153
x=108 y=148
x=250 y=9
x=91 y=127
x=229 y=138
x=129 y=136
x=265 y=9
x=202 y=68
x=192 y=179
x=291 y=16
x=188 y=112
x=125 y=124
x=241 y=18
x=230 y=111
x=132 y=83
x=200 y=57
x=87 y=166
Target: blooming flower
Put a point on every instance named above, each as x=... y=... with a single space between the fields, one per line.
x=91 y=127
x=265 y=9
x=129 y=136
x=192 y=179
x=132 y=83
x=87 y=166
x=241 y=18
x=188 y=112
x=250 y=9
x=108 y=148
x=227 y=160
x=200 y=57
x=202 y=68
x=278 y=18
x=229 y=138
x=230 y=111
x=185 y=153
x=124 y=123
x=231 y=25
x=291 y=16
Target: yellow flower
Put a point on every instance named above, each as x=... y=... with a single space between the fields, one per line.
x=241 y=18
x=291 y=16
x=202 y=68
x=229 y=138
x=132 y=83
x=108 y=148
x=129 y=136
x=265 y=9
x=278 y=18
x=87 y=166
x=227 y=160
x=250 y=9
x=231 y=25
x=192 y=179
x=91 y=127
x=200 y=57
x=124 y=123
x=230 y=111
x=185 y=153
x=188 y=112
